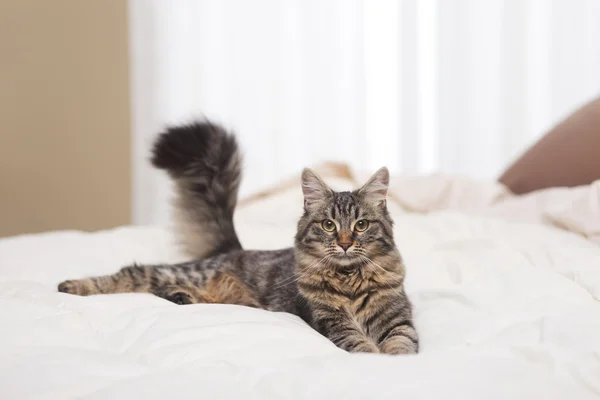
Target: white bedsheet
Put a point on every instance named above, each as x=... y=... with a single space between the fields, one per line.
x=504 y=310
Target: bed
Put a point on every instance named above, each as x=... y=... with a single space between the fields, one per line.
x=505 y=288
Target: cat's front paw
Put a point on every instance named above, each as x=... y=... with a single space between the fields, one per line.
x=71 y=287
x=364 y=347
x=400 y=345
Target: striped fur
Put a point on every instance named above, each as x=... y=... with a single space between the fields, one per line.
x=205 y=164
x=344 y=275
x=356 y=295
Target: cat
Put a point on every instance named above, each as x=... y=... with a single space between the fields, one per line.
x=344 y=276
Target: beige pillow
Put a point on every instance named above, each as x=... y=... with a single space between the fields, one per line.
x=568 y=155
x=582 y=215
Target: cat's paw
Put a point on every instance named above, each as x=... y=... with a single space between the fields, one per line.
x=180 y=298
x=365 y=346
x=71 y=287
x=400 y=345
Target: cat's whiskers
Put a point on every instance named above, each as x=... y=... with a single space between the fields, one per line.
x=298 y=276
x=373 y=262
x=369 y=261
x=280 y=285
x=291 y=279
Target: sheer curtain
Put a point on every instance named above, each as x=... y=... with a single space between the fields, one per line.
x=457 y=86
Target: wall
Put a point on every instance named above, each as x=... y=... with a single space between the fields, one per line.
x=64 y=115
x=457 y=87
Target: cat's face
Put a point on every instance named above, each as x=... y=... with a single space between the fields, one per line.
x=344 y=228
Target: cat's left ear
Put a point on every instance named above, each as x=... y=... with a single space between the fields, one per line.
x=376 y=188
x=313 y=188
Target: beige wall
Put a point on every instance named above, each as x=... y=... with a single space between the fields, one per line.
x=64 y=115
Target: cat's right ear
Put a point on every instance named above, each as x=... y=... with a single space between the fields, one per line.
x=376 y=188
x=313 y=188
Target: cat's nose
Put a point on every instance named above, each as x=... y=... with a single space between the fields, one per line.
x=345 y=245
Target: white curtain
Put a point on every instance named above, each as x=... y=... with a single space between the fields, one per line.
x=422 y=86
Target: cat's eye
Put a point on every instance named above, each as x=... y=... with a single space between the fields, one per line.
x=328 y=225
x=361 y=225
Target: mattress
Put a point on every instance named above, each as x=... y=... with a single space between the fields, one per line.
x=506 y=308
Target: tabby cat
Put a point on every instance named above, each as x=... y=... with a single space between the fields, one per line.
x=344 y=275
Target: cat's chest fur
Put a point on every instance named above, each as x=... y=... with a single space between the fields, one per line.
x=356 y=293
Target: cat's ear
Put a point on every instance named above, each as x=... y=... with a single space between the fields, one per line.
x=376 y=188
x=313 y=188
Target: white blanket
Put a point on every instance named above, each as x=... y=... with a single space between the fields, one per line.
x=505 y=310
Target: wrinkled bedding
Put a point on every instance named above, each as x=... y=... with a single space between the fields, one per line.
x=505 y=309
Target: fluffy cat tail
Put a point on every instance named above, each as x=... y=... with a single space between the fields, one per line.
x=204 y=162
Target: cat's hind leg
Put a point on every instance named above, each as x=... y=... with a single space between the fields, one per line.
x=180 y=284
x=227 y=288
x=138 y=279
x=222 y=288
x=132 y=279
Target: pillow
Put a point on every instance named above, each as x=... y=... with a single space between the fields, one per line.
x=582 y=215
x=568 y=155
